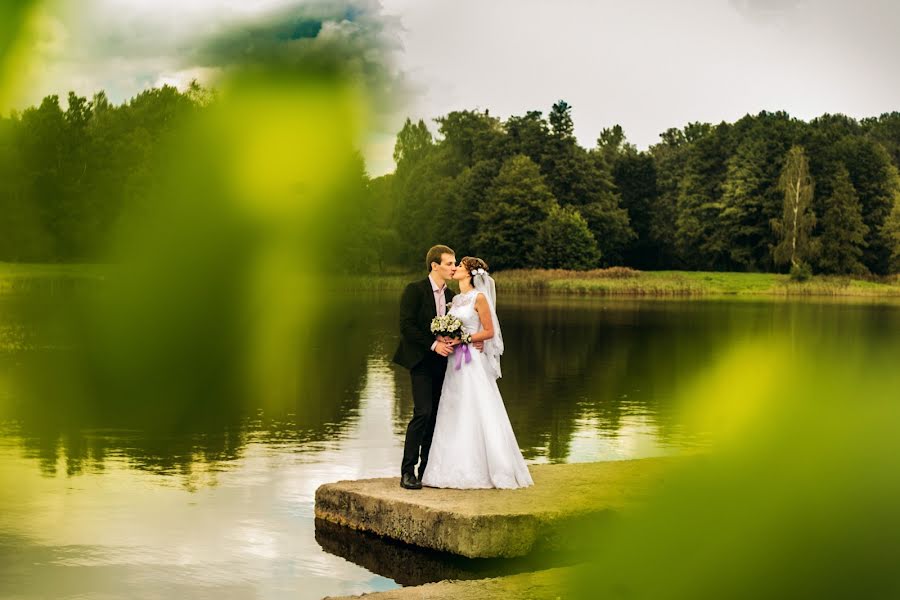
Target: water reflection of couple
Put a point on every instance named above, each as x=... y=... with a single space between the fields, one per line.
x=459 y=426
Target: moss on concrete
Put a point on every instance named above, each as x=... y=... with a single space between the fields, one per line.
x=493 y=523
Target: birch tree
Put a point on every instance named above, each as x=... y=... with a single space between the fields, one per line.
x=794 y=229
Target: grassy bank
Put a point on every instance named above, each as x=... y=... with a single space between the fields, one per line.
x=617 y=281
x=625 y=282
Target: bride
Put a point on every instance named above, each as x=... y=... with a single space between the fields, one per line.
x=474 y=445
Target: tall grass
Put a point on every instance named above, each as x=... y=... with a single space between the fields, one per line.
x=621 y=281
x=614 y=281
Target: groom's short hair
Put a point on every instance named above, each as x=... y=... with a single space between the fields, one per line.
x=434 y=255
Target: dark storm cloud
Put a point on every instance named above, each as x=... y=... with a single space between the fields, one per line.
x=350 y=38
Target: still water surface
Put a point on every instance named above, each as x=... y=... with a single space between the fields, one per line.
x=218 y=502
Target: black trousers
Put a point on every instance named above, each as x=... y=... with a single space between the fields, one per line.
x=427 y=380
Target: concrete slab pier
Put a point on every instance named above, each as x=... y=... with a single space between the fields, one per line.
x=494 y=523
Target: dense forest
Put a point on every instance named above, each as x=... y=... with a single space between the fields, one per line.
x=760 y=194
x=766 y=193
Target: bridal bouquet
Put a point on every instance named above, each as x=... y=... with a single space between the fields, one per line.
x=450 y=326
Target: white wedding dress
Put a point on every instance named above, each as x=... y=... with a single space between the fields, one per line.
x=474 y=445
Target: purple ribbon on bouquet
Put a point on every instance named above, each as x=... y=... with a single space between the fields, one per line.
x=459 y=356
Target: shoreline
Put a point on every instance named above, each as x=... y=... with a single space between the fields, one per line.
x=616 y=282
x=662 y=285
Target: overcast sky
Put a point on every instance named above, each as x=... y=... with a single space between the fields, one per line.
x=646 y=64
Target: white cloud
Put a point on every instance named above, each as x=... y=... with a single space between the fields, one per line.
x=647 y=65
x=652 y=64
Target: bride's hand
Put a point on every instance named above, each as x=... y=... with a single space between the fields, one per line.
x=443 y=348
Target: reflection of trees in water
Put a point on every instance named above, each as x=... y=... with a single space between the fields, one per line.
x=383 y=326
x=180 y=453
x=549 y=351
x=567 y=361
x=171 y=412
x=614 y=361
x=609 y=363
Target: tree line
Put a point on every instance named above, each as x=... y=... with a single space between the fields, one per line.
x=67 y=177
x=766 y=193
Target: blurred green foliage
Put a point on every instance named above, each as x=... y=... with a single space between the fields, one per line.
x=223 y=216
x=227 y=214
x=797 y=497
x=14 y=19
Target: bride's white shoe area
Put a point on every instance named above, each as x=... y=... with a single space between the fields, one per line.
x=474 y=445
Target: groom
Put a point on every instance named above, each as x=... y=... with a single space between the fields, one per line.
x=425 y=356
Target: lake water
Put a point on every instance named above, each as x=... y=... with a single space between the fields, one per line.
x=201 y=495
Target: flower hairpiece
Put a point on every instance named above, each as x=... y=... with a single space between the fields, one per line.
x=479 y=271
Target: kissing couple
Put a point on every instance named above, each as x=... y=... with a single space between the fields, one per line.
x=459 y=434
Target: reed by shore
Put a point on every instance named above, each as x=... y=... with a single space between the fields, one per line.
x=625 y=282
x=615 y=281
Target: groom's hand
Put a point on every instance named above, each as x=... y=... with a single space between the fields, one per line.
x=479 y=345
x=452 y=342
x=443 y=348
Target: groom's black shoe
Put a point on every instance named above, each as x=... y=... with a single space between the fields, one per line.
x=409 y=481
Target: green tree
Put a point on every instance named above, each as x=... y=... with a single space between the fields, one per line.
x=699 y=236
x=612 y=144
x=742 y=207
x=583 y=180
x=22 y=235
x=634 y=177
x=891 y=229
x=388 y=245
x=669 y=157
x=83 y=228
x=403 y=201
x=750 y=194
x=575 y=177
x=413 y=143
x=510 y=220
x=607 y=220
x=528 y=135
x=43 y=161
x=797 y=221
x=870 y=169
x=469 y=137
x=561 y=123
x=885 y=130
x=843 y=231
x=459 y=219
x=424 y=198
x=565 y=242
x=353 y=232
x=563 y=162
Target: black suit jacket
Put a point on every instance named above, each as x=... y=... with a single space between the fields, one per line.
x=416 y=312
